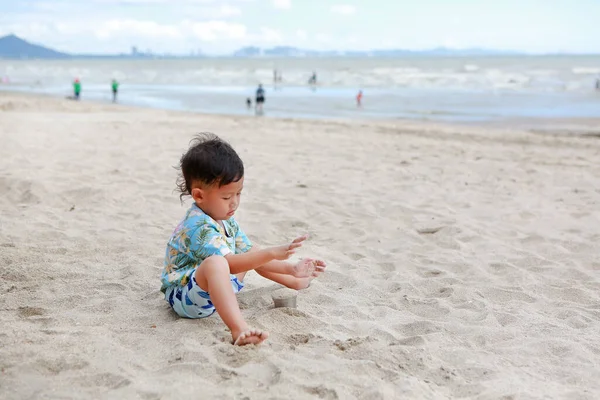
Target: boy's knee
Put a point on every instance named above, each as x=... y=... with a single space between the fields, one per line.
x=215 y=264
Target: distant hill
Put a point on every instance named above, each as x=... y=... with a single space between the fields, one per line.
x=12 y=46
x=286 y=51
x=248 y=52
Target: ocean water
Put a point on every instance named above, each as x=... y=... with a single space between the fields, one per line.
x=425 y=88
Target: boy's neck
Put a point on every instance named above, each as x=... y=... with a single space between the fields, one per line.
x=220 y=222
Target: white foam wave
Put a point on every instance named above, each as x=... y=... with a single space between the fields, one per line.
x=471 y=67
x=527 y=74
x=585 y=71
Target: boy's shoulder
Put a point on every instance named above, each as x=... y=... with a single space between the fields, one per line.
x=196 y=221
x=195 y=218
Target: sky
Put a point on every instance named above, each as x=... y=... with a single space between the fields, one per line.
x=222 y=26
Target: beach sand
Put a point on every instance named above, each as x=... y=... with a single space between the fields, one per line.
x=463 y=262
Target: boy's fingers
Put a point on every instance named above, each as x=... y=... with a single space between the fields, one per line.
x=295 y=245
x=300 y=239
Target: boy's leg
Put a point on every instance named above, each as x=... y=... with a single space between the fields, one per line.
x=213 y=277
x=286 y=280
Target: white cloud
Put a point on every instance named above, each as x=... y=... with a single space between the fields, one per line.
x=150 y=2
x=282 y=4
x=207 y=31
x=301 y=34
x=115 y=27
x=212 y=30
x=344 y=9
x=229 y=11
x=270 y=35
x=324 y=38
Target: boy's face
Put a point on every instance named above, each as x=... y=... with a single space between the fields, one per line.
x=219 y=203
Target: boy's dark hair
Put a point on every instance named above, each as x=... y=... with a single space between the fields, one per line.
x=211 y=161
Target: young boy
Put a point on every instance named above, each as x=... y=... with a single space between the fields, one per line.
x=208 y=254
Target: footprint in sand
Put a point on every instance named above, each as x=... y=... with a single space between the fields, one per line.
x=427 y=308
x=387 y=266
x=56 y=366
x=442 y=292
x=418 y=328
x=351 y=342
x=297 y=339
x=356 y=256
x=409 y=341
x=26 y=312
x=107 y=380
x=321 y=392
x=432 y=273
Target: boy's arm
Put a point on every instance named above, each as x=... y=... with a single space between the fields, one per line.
x=303 y=268
x=277 y=266
x=257 y=258
x=248 y=261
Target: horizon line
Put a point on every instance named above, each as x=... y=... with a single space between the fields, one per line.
x=484 y=51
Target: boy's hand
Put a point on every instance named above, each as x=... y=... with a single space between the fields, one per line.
x=284 y=252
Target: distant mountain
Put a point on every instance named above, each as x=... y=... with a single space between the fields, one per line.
x=248 y=52
x=280 y=51
x=286 y=51
x=12 y=46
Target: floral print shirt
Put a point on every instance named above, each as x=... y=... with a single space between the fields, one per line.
x=196 y=238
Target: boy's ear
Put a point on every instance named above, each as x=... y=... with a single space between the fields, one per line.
x=198 y=194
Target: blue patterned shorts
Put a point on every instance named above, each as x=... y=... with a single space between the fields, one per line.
x=190 y=301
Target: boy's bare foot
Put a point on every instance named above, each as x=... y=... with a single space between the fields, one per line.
x=250 y=336
x=304 y=268
x=309 y=267
x=304 y=283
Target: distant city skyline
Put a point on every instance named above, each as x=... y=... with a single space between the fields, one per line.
x=221 y=27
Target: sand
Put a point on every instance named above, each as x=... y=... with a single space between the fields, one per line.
x=463 y=261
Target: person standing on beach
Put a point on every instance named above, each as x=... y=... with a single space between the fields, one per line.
x=115 y=89
x=276 y=78
x=312 y=82
x=76 y=88
x=260 y=99
x=359 y=99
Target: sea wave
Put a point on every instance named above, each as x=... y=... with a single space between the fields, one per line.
x=485 y=74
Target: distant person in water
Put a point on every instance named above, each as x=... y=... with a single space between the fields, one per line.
x=260 y=98
x=249 y=103
x=276 y=78
x=115 y=89
x=76 y=88
x=359 y=99
x=313 y=79
x=598 y=84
